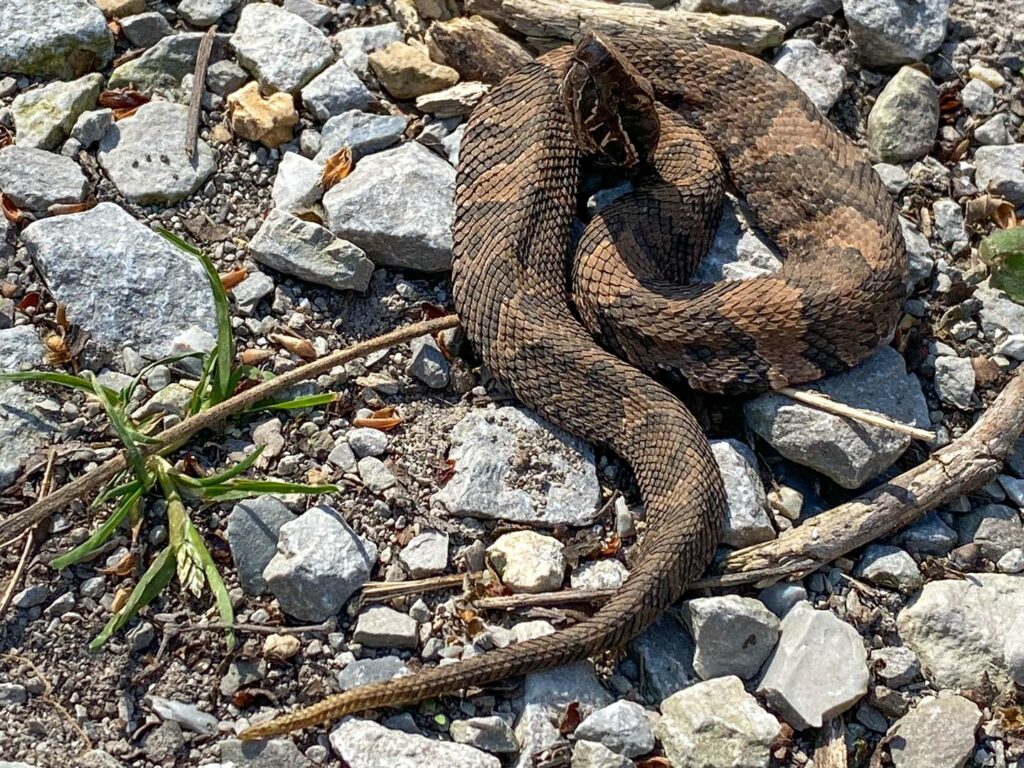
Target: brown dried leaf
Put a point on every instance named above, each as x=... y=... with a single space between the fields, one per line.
x=431 y=311
x=1012 y=719
x=230 y=279
x=29 y=303
x=121 y=114
x=383 y=419
x=123 y=567
x=987 y=208
x=300 y=347
x=6 y=137
x=445 y=473
x=570 y=719
x=248 y=697
x=255 y=356
x=122 y=98
x=11 y=212
x=337 y=167
x=611 y=547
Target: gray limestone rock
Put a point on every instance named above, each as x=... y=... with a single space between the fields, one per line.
x=792 y=13
x=162 y=67
x=398 y=206
x=491 y=734
x=44 y=117
x=428 y=363
x=623 y=727
x=283 y=51
x=366 y=671
x=121 y=282
x=383 y=627
x=319 y=565
x=145 y=30
x=366 y=744
x=819 y=668
x=817 y=73
x=733 y=635
x=664 y=651
x=308 y=251
x=334 y=91
x=252 y=535
x=203 y=13
x=426 y=554
x=1000 y=171
x=356 y=43
x=849 y=453
x=144 y=155
x=937 y=733
x=363 y=133
x=994 y=528
x=489 y=483
x=888 y=32
x=889 y=566
x=905 y=118
x=955 y=381
x=53 y=38
x=34 y=179
x=746 y=515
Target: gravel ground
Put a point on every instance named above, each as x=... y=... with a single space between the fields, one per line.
x=912 y=645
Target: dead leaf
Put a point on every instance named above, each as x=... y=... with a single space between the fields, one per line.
x=570 y=719
x=383 y=419
x=987 y=208
x=29 y=303
x=62 y=209
x=1012 y=719
x=255 y=356
x=11 y=212
x=122 y=568
x=6 y=137
x=611 y=547
x=446 y=473
x=121 y=114
x=230 y=279
x=337 y=167
x=122 y=98
x=431 y=311
x=300 y=347
x=248 y=697
x=473 y=623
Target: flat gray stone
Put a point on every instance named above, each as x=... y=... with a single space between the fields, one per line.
x=361 y=132
x=905 y=118
x=203 y=13
x=366 y=441
x=383 y=627
x=746 y=516
x=849 y=453
x=780 y=597
x=123 y=283
x=928 y=536
x=144 y=155
x=920 y=263
x=366 y=671
x=937 y=733
x=623 y=727
x=334 y=91
x=891 y=567
x=53 y=38
x=426 y=554
x=428 y=363
x=145 y=30
x=716 y=724
x=43 y=117
x=90 y=126
x=999 y=314
x=560 y=487
x=297 y=186
x=366 y=744
x=895 y=666
x=994 y=528
x=27 y=424
x=224 y=77
x=273 y=753
x=733 y=635
x=283 y=51
x=162 y=67
x=792 y=13
x=664 y=651
x=889 y=33
x=954 y=381
x=356 y=43
x=312 y=11
x=819 y=668
x=252 y=535
x=817 y=73
x=319 y=565
x=994 y=131
x=308 y=251
x=398 y=206
x=36 y=179
x=1000 y=171
x=737 y=252
x=375 y=474
x=591 y=754
x=960 y=630
x=491 y=734
x=978 y=97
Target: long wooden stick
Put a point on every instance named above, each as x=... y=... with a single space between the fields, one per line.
x=827 y=404
x=91 y=481
x=195 y=101
x=548 y=22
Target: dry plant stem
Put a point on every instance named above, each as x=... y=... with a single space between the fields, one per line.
x=19 y=571
x=831 y=749
x=84 y=486
x=257 y=629
x=823 y=403
x=963 y=466
x=551 y=21
x=47 y=698
x=379 y=591
x=195 y=101
x=543 y=599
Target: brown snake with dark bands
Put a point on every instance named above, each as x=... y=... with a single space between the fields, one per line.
x=836 y=298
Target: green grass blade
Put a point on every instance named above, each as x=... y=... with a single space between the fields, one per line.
x=152 y=583
x=227 y=474
x=305 y=401
x=48 y=377
x=225 y=349
x=115 y=492
x=101 y=534
x=220 y=592
x=119 y=421
x=243 y=489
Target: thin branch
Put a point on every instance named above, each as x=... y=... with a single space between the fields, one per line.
x=543 y=599
x=827 y=404
x=257 y=629
x=195 y=101
x=91 y=481
x=378 y=591
x=47 y=698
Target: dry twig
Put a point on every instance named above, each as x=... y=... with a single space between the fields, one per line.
x=29 y=537
x=195 y=101
x=47 y=698
x=827 y=404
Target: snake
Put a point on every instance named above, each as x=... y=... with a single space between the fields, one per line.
x=582 y=340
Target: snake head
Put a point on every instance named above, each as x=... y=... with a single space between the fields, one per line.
x=611 y=105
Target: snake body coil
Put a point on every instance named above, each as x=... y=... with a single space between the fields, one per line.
x=836 y=298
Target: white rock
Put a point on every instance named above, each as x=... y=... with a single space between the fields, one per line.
x=591 y=754
x=599 y=574
x=375 y=474
x=716 y=724
x=1012 y=561
x=52 y=37
x=623 y=727
x=426 y=554
x=959 y=629
x=34 y=179
x=383 y=627
x=896 y=32
x=819 y=668
x=937 y=733
x=955 y=381
x=1000 y=171
x=366 y=744
x=297 y=186
x=978 y=97
x=203 y=13
x=491 y=734
x=43 y=117
x=366 y=441
x=355 y=43
x=889 y=567
x=746 y=515
x=281 y=50
x=336 y=90
x=817 y=73
x=733 y=635
x=528 y=561
x=895 y=666
x=320 y=563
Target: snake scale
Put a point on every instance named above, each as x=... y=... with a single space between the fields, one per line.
x=690 y=111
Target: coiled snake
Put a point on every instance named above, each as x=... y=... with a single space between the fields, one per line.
x=680 y=112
